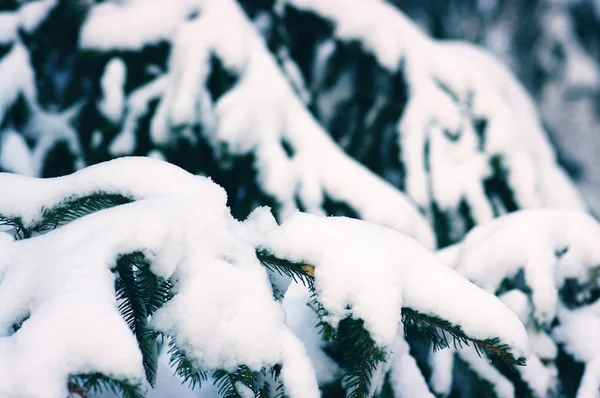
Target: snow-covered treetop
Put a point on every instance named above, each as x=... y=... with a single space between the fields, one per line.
x=176 y=264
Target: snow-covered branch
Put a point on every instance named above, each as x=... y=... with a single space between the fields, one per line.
x=62 y=293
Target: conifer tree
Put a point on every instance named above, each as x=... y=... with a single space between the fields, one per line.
x=338 y=109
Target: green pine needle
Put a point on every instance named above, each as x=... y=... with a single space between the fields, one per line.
x=437 y=330
x=75 y=207
x=360 y=359
x=98 y=383
x=296 y=271
x=184 y=367
x=140 y=294
x=227 y=382
x=67 y=210
x=15 y=222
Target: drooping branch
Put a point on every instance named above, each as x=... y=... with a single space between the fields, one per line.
x=431 y=327
x=434 y=329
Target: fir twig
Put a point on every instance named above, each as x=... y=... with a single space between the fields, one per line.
x=299 y=272
x=360 y=359
x=97 y=383
x=140 y=294
x=76 y=207
x=17 y=223
x=228 y=382
x=435 y=329
x=361 y=354
x=184 y=367
x=66 y=211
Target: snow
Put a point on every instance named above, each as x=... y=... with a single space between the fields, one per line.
x=138 y=178
x=441 y=362
x=27 y=17
x=183 y=226
x=9 y=23
x=112 y=84
x=46 y=128
x=530 y=240
x=400 y=270
x=15 y=155
x=189 y=236
x=15 y=64
x=550 y=246
x=33 y=13
x=259 y=113
x=579 y=334
x=301 y=319
x=405 y=376
x=133 y=24
x=137 y=105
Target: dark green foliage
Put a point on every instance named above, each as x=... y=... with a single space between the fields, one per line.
x=285 y=267
x=15 y=222
x=338 y=208
x=140 y=294
x=439 y=331
x=98 y=383
x=74 y=207
x=227 y=382
x=184 y=367
x=360 y=359
x=497 y=187
x=66 y=211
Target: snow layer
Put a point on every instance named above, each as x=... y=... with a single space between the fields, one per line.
x=15 y=155
x=136 y=177
x=375 y=271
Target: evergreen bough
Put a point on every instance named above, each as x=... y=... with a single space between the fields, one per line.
x=140 y=293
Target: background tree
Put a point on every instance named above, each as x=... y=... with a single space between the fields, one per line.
x=362 y=114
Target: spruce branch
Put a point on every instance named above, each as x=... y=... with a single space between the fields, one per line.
x=75 y=207
x=184 y=367
x=361 y=355
x=17 y=223
x=436 y=330
x=97 y=383
x=228 y=382
x=67 y=210
x=140 y=293
x=299 y=272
